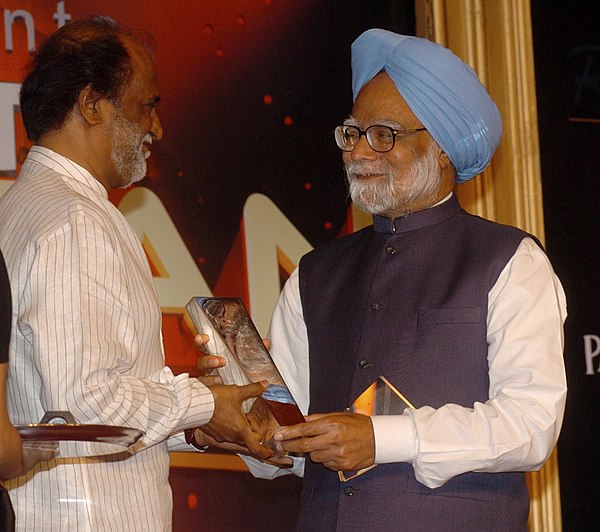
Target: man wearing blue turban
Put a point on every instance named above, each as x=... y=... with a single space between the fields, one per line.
x=462 y=316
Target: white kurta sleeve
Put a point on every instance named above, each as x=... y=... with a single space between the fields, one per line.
x=94 y=329
x=517 y=428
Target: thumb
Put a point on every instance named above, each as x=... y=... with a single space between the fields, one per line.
x=254 y=389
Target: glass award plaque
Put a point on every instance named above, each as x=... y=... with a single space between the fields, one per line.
x=380 y=399
x=234 y=337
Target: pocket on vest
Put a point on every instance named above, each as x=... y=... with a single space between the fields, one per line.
x=434 y=316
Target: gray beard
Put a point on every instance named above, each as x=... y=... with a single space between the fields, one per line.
x=127 y=153
x=395 y=196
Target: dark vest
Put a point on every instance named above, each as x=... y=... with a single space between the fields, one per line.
x=406 y=299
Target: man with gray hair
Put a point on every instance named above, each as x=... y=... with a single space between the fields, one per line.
x=462 y=315
x=86 y=321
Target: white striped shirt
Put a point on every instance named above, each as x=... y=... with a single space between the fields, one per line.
x=86 y=338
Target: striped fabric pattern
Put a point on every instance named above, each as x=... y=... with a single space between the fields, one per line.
x=86 y=337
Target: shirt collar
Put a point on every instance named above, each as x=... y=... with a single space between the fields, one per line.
x=441 y=211
x=66 y=167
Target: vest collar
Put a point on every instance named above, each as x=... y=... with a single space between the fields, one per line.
x=417 y=220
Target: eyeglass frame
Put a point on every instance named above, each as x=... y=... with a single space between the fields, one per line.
x=362 y=133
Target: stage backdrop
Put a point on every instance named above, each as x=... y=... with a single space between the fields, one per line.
x=567 y=59
x=246 y=179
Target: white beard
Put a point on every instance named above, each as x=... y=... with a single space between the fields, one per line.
x=394 y=195
x=127 y=153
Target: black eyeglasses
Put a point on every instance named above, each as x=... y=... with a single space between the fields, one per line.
x=379 y=138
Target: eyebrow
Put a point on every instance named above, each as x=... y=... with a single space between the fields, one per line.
x=351 y=121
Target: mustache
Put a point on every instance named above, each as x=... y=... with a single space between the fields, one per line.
x=356 y=168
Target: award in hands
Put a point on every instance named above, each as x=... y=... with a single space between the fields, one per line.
x=234 y=337
x=380 y=399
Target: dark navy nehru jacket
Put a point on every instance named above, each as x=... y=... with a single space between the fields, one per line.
x=407 y=299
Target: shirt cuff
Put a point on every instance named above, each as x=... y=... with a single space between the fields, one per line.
x=269 y=472
x=202 y=404
x=394 y=439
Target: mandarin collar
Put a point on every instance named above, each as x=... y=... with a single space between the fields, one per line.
x=417 y=220
x=66 y=167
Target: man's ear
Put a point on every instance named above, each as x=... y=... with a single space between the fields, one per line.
x=92 y=107
x=444 y=161
x=447 y=171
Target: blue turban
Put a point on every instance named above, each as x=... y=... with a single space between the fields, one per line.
x=443 y=92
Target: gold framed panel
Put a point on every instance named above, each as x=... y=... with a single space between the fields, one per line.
x=495 y=38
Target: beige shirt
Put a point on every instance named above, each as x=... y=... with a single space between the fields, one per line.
x=86 y=338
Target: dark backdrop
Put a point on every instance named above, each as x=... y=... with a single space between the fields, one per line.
x=247 y=147
x=567 y=66
x=284 y=149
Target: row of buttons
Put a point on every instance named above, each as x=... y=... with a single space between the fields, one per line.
x=349 y=491
x=374 y=306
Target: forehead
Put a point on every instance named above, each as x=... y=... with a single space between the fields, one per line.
x=379 y=100
x=144 y=80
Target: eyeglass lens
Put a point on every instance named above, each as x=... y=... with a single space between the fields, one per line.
x=379 y=138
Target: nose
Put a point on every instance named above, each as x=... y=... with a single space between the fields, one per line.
x=156 y=129
x=362 y=150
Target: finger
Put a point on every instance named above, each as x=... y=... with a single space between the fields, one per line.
x=254 y=389
x=302 y=430
x=280 y=460
x=233 y=447
x=50 y=454
x=316 y=417
x=207 y=363
x=267 y=343
x=200 y=340
x=300 y=446
x=256 y=448
x=334 y=466
x=210 y=380
x=40 y=445
x=304 y=445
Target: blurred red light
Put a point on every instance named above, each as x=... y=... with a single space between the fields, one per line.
x=192 y=501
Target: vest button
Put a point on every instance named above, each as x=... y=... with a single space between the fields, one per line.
x=349 y=491
x=376 y=306
x=363 y=363
x=391 y=250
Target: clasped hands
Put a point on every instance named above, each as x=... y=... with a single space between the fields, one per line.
x=340 y=441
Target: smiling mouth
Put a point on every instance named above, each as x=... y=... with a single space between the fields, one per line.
x=367 y=176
